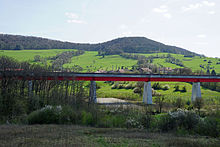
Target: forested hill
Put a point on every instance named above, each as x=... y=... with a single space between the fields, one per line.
x=126 y=44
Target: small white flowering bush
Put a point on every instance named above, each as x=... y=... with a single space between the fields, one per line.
x=52 y=115
x=185 y=118
x=132 y=122
x=179 y=119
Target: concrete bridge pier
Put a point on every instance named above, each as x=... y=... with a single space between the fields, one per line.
x=147 y=93
x=196 y=91
x=92 y=92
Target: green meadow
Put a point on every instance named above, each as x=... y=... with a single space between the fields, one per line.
x=106 y=91
x=193 y=63
x=28 y=55
x=89 y=61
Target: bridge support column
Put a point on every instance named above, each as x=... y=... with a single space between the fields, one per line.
x=92 y=92
x=196 y=91
x=147 y=93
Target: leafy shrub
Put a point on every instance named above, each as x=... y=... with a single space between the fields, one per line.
x=159 y=100
x=67 y=115
x=46 y=115
x=178 y=119
x=178 y=103
x=108 y=121
x=120 y=86
x=177 y=88
x=166 y=87
x=115 y=86
x=87 y=118
x=146 y=121
x=52 y=115
x=129 y=86
x=198 y=103
x=137 y=90
x=98 y=86
x=156 y=86
x=118 y=121
x=184 y=89
x=191 y=119
x=208 y=126
x=185 y=119
x=155 y=93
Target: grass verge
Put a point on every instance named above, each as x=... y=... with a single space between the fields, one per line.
x=72 y=135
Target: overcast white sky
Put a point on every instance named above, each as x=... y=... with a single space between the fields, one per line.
x=191 y=24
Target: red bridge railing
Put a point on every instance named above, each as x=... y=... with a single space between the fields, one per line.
x=21 y=75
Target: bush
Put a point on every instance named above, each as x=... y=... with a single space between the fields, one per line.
x=178 y=119
x=146 y=121
x=198 y=103
x=115 y=86
x=52 y=115
x=108 y=121
x=87 y=118
x=155 y=93
x=132 y=122
x=190 y=121
x=178 y=103
x=156 y=86
x=209 y=126
x=120 y=86
x=137 y=90
x=184 y=89
x=177 y=88
x=67 y=116
x=129 y=86
x=166 y=123
x=46 y=115
x=166 y=87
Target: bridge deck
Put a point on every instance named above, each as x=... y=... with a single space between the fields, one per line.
x=106 y=77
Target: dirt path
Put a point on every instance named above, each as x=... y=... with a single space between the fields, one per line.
x=110 y=100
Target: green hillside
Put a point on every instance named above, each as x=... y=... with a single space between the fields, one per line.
x=115 y=46
x=190 y=62
x=28 y=55
x=89 y=61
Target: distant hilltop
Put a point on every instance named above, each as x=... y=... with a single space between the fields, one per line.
x=116 y=46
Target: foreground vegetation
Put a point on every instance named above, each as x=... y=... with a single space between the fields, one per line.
x=72 y=135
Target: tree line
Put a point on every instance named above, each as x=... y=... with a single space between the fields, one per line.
x=21 y=97
x=116 y=46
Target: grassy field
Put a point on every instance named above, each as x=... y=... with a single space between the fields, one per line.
x=89 y=61
x=71 y=135
x=193 y=63
x=28 y=55
x=106 y=91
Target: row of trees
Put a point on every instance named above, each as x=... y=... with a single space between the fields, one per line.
x=59 y=59
x=63 y=58
x=20 y=97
